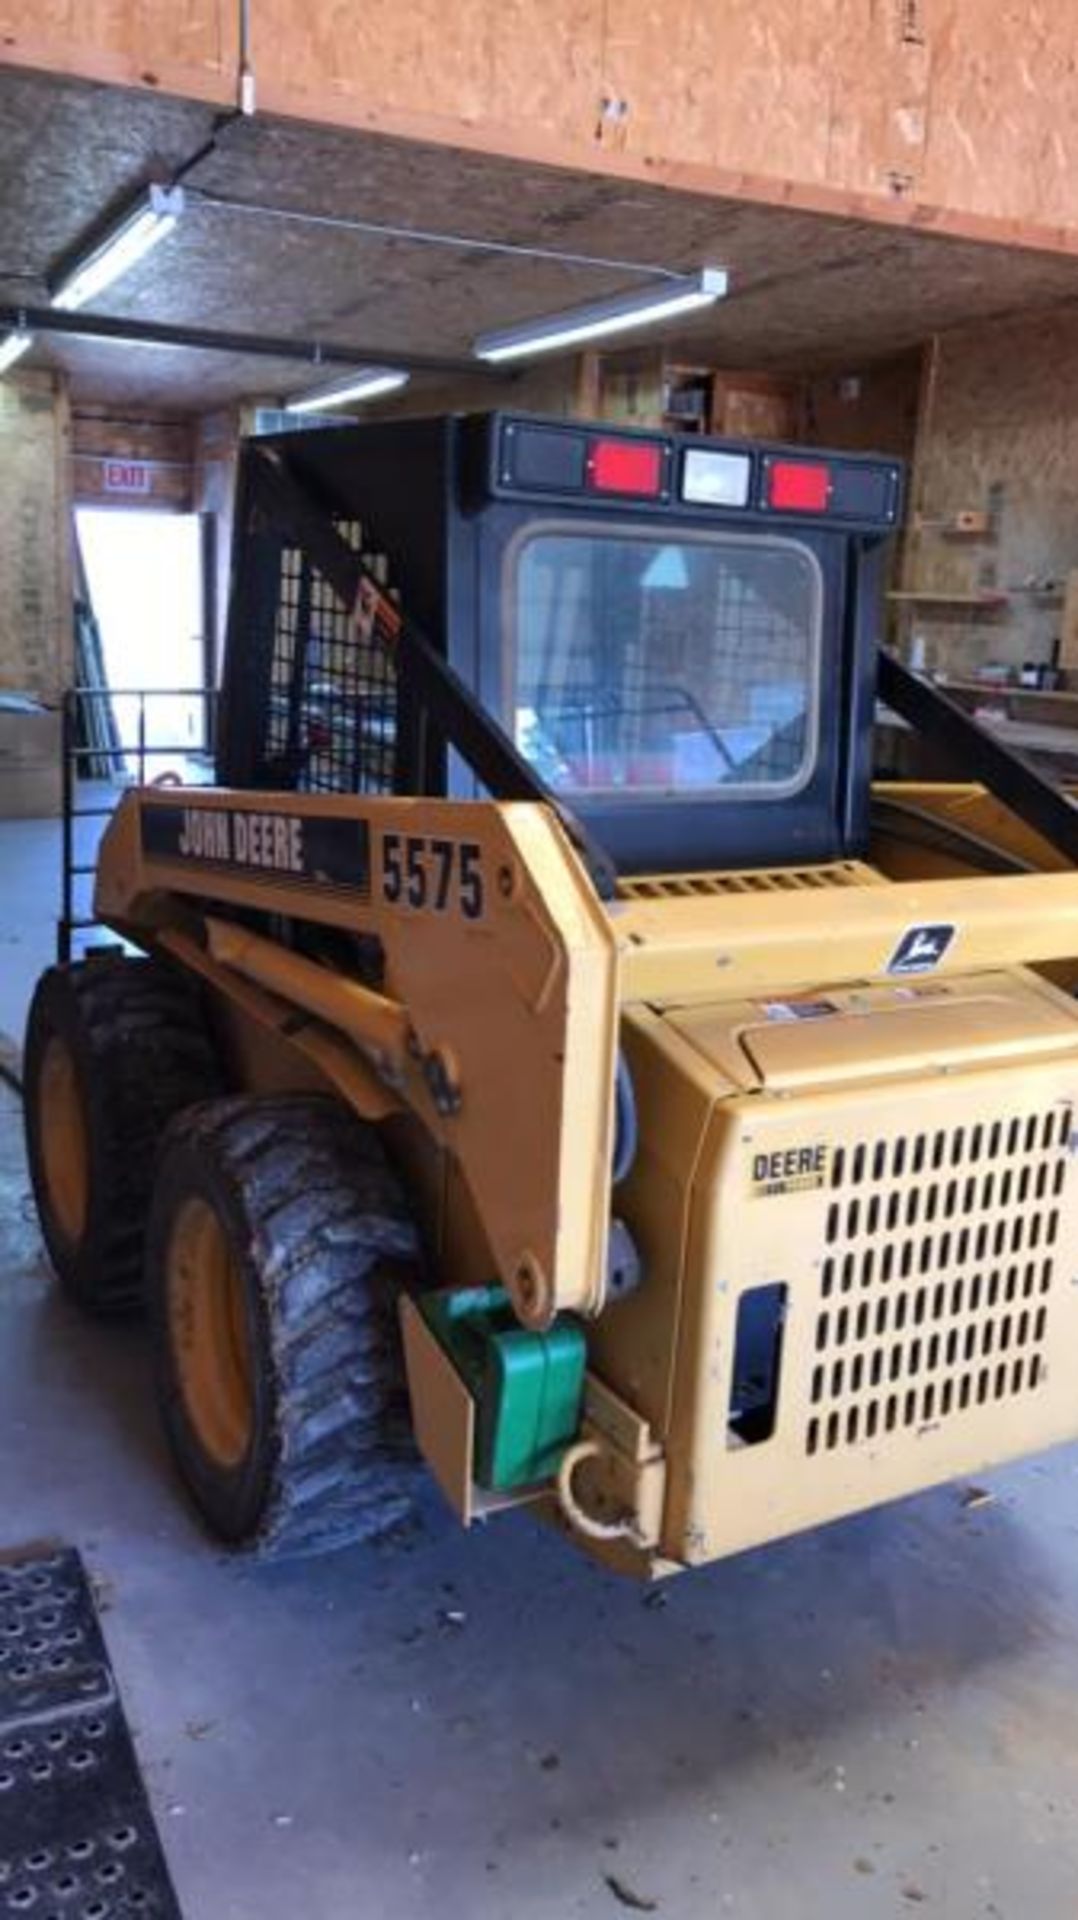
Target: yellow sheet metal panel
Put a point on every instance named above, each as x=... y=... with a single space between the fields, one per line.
x=700 y=947
x=925 y=1230
x=633 y=1345
x=879 y=1031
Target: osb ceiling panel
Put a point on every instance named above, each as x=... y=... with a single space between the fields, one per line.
x=808 y=292
x=69 y=150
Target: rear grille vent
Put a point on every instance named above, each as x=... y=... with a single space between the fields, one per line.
x=937 y=1275
x=681 y=886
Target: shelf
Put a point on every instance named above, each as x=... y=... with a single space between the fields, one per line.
x=983 y=602
x=1006 y=690
x=980 y=528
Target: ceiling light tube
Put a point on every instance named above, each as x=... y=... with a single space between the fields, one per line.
x=148 y=221
x=643 y=307
x=362 y=385
x=12 y=348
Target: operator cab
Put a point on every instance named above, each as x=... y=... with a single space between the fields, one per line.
x=677 y=634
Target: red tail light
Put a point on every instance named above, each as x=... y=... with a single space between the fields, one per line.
x=799 y=486
x=626 y=466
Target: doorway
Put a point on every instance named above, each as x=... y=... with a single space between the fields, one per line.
x=144 y=574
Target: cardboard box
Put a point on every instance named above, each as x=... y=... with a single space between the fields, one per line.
x=30 y=778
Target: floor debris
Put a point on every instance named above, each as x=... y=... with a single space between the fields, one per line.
x=628 y=1897
x=974 y=1497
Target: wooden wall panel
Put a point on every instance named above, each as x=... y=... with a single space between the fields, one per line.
x=1003 y=122
x=35 y=535
x=880 y=65
x=875 y=412
x=399 y=58
x=956 y=114
x=552 y=79
x=164 y=446
x=145 y=41
x=738 y=86
x=1000 y=413
x=531 y=66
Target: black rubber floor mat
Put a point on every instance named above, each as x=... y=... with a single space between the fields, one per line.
x=77 y=1838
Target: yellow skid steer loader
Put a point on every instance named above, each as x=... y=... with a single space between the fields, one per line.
x=539 y=1057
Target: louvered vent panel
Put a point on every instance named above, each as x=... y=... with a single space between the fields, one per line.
x=682 y=886
x=937 y=1276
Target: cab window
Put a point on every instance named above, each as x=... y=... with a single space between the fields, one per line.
x=643 y=664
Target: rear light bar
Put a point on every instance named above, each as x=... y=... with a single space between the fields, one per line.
x=546 y=459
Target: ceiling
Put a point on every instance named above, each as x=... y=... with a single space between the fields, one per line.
x=808 y=293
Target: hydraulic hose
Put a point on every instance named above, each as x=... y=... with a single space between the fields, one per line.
x=626 y=1129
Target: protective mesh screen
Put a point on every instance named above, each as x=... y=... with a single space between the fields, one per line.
x=331 y=724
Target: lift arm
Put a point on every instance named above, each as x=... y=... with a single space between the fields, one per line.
x=978 y=756
x=496 y=1019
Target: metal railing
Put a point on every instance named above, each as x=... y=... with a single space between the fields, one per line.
x=82 y=744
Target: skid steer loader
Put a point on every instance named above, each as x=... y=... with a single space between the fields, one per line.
x=533 y=1061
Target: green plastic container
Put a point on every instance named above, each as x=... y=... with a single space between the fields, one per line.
x=528 y=1387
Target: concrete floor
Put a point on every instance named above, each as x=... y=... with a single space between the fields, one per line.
x=871 y=1720
x=30 y=888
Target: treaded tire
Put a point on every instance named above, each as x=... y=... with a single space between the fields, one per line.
x=321 y=1244
x=139 y=1049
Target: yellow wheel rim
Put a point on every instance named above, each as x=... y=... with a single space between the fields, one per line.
x=65 y=1140
x=209 y=1332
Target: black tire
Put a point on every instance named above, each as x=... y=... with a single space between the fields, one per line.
x=314 y=1448
x=133 y=1049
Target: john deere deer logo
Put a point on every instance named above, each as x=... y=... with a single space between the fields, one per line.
x=920 y=949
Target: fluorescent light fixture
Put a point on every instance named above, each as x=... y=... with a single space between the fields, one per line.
x=12 y=348
x=364 y=384
x=643 y=307
x=152 y=217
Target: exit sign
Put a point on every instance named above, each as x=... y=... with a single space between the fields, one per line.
x=126 y=476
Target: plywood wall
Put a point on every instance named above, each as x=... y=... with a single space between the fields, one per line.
x=186 y=46
x=957 y=114
x=35 y=536
x=875 y=412
x=1000 y=424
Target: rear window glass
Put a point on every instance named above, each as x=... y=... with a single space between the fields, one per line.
x=643 y=664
